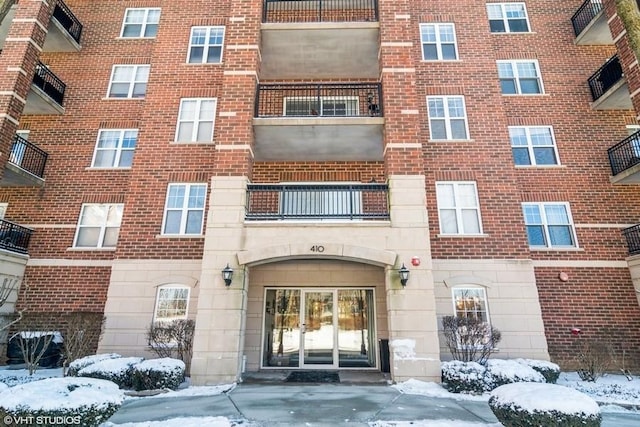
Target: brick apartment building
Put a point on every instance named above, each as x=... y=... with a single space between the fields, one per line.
x=315 y=148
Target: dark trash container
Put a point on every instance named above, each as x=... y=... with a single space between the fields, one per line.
x=51 y=358
x=383 y=345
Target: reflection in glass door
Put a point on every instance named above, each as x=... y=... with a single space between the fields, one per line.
x=282 y=328
x=318 y=330
x=356 y=329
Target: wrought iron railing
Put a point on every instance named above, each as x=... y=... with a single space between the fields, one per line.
x=324 y=100
x=606 y=76
x=585 y=14
x=28 y=156
x=317 y=202
x=625 y=154
x=280 y=11
x=49 y=83
x=632 y=234
x=68 y=20
x=14 y=237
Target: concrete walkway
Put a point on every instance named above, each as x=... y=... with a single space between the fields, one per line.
x=319 y=406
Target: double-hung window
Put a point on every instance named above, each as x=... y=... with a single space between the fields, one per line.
x=533 y=145
x=172 y=303
x=128 y=81
x=458 y=207
x=98 y=226
x=140 y=23
x=196 y=119
x=184 y=209
x=520 y=77
x=115 y=148
x=438 y=42
x=549 y=225
x=205 y=46
x=447 y=117
x=508 y=17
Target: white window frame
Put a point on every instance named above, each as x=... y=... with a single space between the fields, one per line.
x=439 y=42
x=17 y=155
x=545 y=224
x=179 y=287
x=505 y=19
x=3 y=209
x=197 y=120
x=352 y=105
x=132 y=82
x=143 y=25
x=119 y=149
x=517 y=79
x=448 y=118
x=458 y=207
x=206 y=46
x=531 y=147
x=466 y=288
x=103 y=226
x=184 y=209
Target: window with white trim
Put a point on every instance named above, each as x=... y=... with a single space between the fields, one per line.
x=533 y=145
x=196 y=119
x=331 y=106
x=470 y=303
x=508 y=17
x=114 y=148
x=3 y=209
x=140 y=23
x=128 y=81
x=205 y=45
x=18 y=148
x=549 y=225
x=172 y=303
x=438 y=42
x=184 y=209
x=458 y=207
x=447 y=117
x=98 y=226
x=520 y=77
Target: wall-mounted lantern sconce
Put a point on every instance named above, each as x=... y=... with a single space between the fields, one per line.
x=404 y=275
x=227 y=275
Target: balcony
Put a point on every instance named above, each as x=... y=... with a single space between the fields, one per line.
x=14 y=237
x=318 y=122
x=632 y=235
x=609 y=88
x=317 y=202
x=590 y=24
x=25 y=166
x=320 y=39
x=46 y=94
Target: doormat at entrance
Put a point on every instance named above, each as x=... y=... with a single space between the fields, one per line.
x=313 y=377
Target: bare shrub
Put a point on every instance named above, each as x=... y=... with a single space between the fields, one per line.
x=173 y=339
x=594 y=358
x=469 y=339
x=81 y=333
x=34 y=340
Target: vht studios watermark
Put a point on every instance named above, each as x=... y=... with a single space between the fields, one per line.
x=31 y=420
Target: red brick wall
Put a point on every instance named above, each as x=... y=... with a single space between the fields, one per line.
x=273 y=172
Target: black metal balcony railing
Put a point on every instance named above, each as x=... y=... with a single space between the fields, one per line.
x=14 y=237
x=324 y=100
x=607 y=76
x=28 y=157
x=317 y=202
x=68 y=20
x=585 y=14
x=625 y=154
x=49 y=83
x=632 y=234
x=281 y=11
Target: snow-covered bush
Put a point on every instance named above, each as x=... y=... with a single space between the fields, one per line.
x=541 y=404
x=78 y=364
x=117 y=370
x=509 y=371
x=465 y=377
x=3 y=387
x=85 y=402
x=549 y=370
x=158 y=373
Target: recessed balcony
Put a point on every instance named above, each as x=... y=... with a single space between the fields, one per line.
x=318 y=122
x=317 y=202
x=26 y=165
x=320 y=39
x=609 y=88
x=632 y=235
x=590 y=24
x=14 y=237
x=46 y=94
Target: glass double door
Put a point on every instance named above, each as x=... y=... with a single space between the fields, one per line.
x=319 y=328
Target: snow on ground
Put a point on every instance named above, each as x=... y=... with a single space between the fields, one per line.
x=434 y=390
x=13 y=377
x=610 y=389
x=196 y=391
x=431 y=423
x=179 y=422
